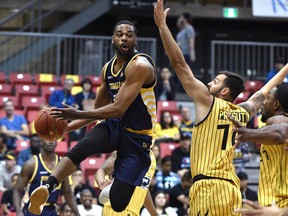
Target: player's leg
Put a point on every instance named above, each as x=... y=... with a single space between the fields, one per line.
x=120 y=195
x=96 y=141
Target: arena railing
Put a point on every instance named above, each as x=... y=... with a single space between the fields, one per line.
x=60 y=53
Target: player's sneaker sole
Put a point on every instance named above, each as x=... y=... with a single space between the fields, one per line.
x=104 y=195
x=38 y=199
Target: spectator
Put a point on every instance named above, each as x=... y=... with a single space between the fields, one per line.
x=186 y=38
x=84 y=100
x=247 y=193
x=35 y=172
x=157 y=153
x=78 y=186
x=86 y=208
x=166 y=85
x=187 y=122
x=241 y=156
x=27 y=153
x=3 y=147
x=7 y=170
x=166 y=129
x=179 y=195
x=65 y=210
x=7 y=198
x=161 y=205
x=13 y=126
x=166 y=179
x=64 y=95
x=86 y=94
x=181 y=155
x=278 y=64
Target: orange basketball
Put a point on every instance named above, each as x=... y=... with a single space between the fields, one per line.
x=49 y=128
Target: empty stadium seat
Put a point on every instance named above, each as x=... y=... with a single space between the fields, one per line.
x=61 y=148
x=76 y=78
x=26 y=89
x=30 y=115
x=170 y=106
x=32 y=102
x=45 y=79
x=91 y=164
x=243 y=96
x=3 y=77
x=20 y=78
x=21 y=145
x=253 y=85
x=167 y=148
x=6 y=89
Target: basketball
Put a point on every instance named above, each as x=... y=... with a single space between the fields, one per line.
x=49 y=128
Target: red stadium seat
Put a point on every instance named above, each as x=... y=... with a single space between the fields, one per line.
x=21 y=145
x=31 y=114
x=6 y=89
x=253 y=85
x=61 y=148
x=167 y=148
x=76 y=78
x=47 y=90
x=32 y=102
x=3 y=77
x=25 y=89
x=13 y=98
x=243 y=96
x=45 y=79
x=16 y=112
x=20 y=78
x=170 y=106
x=96 y=81
x=91 y=164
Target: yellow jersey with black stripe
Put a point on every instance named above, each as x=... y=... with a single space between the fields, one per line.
x=138 y=197
x=144 y=104
x=212 y=141
x=273 y=178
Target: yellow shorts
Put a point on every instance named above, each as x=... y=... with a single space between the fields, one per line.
x=214 y=197
x=282 y=202
x=108 y=211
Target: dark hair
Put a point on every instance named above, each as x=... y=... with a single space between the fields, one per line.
x=162 y=122
x=188 y=17
x=4 y=137
x=125 y=22
x=166 y=159
x=159 y=192
x=242 y=176
x=187 y=176
x=63 y=206
x=279 y=60
x=281 y=94
x=234 y=82
x=86 y=80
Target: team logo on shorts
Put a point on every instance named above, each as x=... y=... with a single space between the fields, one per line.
x=146 y=182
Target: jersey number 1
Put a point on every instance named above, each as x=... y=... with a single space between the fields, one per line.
x=225 y=127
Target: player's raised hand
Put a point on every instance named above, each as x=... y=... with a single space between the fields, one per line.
x=159 y=13
x=257 y=210
x=68 y=112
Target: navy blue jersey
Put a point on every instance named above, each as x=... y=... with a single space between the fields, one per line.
x=40 y=176
x=145 y=103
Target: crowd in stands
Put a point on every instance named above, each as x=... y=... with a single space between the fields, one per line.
x=172 y=180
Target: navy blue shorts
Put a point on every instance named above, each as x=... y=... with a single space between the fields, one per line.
x=47 y=211
x=133 y=158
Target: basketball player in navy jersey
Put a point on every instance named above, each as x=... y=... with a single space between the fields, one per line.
x=35 y=172
x=127 y=101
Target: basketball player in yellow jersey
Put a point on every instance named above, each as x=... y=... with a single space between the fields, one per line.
x=215 y=190
x=140 y=196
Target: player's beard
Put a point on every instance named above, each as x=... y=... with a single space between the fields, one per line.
x=128 y=53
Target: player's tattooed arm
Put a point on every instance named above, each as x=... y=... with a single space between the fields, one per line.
x=253 y=104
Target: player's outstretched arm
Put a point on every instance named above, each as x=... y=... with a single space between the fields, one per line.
x=254 y=103
x=270 y=134
x=149 y=205
x=194 y=87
